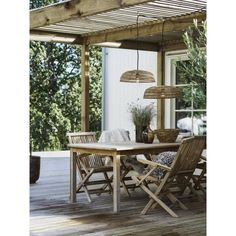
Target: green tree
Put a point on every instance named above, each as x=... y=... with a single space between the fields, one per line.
x=55 y=91
x=193 y=71
x=95 y=92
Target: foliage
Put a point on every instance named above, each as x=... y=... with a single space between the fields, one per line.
x=193 y=71
x=95 y=90
x=195 y=40
x=55 y=91
x=141 y=115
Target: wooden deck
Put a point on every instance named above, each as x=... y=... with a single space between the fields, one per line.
x=52 y=214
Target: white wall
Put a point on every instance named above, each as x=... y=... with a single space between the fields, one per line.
x=118 y=95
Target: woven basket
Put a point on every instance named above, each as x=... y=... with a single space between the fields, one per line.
x=167 y=135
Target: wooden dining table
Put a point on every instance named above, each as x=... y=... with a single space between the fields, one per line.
x=116 y=151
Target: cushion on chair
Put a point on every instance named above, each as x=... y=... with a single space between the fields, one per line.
x=164 y=158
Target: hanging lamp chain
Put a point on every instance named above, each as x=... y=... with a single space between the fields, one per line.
x=137 y=76
x=161 y=45
x=137 y=25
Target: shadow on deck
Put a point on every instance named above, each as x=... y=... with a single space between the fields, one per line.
x=52 y=214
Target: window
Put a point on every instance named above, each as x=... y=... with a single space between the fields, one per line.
x=188 y=113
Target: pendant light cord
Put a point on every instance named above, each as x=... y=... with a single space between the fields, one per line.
x=137 y=35
x=137 y=40
x=162 y=29
x=161 y=50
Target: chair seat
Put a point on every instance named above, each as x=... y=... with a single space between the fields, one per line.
x=100 y=168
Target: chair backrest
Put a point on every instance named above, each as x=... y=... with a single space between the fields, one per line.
x=116 y=135
x=82 y=137
x=188 y=155
x=86 y=137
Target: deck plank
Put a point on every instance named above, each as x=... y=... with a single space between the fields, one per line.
x=51 y=213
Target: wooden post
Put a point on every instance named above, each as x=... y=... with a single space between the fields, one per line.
x=72 y=176
x=116 y=182
x=85 y=88
x=160 y=81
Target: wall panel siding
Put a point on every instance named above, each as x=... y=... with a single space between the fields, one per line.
x=118 y=95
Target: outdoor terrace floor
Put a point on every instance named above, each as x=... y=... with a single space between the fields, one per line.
x=52 y=214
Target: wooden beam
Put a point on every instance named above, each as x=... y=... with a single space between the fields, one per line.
x=146 y=29
x=85 y=88
x=173 y=45
x=128 y=44
x=45 y=36
x=76 y=8
x=160 y=81
x=146 y=46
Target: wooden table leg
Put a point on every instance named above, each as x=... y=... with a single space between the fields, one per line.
x=72 y=176
x=116 y=183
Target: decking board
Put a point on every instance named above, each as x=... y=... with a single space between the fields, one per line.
x=52 y=214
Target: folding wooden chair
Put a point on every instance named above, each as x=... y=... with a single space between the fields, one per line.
x=90 y=164
x=178 y=174
x=113 y=136
x=199 y=176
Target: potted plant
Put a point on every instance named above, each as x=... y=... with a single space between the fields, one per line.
x=142 y=116
x=34 y=167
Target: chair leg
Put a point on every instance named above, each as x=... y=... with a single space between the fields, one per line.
x=125 y=188
x=193 y=190
x=87 y=194
x=151 y=204
x=197 y=181
x=122 y=181
x=145 y=183
x=82 y=178
x=155 y=198
x=125 y=172
x=183 y=183
x=173 y=199
x=154 y=205
x=83 y=184
x=108 y=182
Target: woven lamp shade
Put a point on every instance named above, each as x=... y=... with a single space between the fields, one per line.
x=162 y=92
x=137 y=76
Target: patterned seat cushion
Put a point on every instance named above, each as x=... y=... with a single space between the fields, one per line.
x=164 y=158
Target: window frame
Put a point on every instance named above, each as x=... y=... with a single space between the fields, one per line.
x=170 y=79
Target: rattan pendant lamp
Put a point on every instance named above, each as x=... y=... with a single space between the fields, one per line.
x=163 y=91
x=137 y=76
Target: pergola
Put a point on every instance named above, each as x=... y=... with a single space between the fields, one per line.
x=112 y=23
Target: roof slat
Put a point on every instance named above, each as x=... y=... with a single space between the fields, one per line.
x=94 y=17
x=71 y=9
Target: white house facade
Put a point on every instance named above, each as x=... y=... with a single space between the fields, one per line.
x=118 y=95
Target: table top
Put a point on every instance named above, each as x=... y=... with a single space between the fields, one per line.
x=122 y=146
